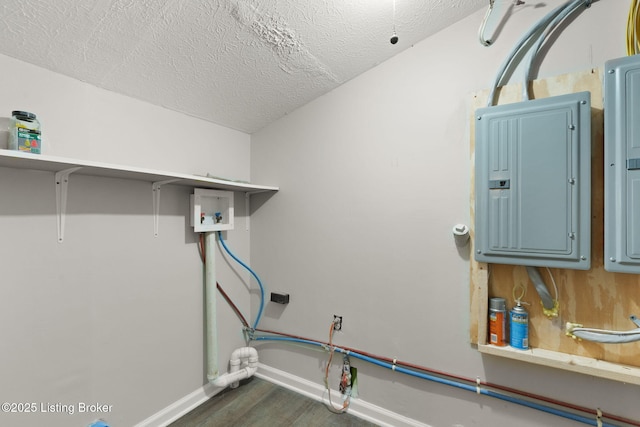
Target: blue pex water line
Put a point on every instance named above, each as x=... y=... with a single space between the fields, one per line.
x=224 y=245
x=425 y=376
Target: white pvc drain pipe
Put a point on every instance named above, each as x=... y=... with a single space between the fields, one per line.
x=244 y=360
x=210 y=305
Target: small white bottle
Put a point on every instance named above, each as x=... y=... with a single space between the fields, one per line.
x=24 y=132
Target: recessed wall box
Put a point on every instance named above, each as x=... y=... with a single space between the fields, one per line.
x=211 y=210
x=622 y=165
x=279 y=298
x=533 y=182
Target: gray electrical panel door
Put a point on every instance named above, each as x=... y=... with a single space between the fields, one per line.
x=622 y=165
x=533 y=182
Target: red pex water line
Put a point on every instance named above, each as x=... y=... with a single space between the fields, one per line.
x=434 y=371
x=469 y=380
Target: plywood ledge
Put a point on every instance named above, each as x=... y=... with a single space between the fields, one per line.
x=595 y=297
x=568 y=362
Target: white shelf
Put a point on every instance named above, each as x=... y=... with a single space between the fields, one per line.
x=16 y=159
x=63 y=167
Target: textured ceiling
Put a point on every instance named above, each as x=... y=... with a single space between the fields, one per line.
x=238 y=63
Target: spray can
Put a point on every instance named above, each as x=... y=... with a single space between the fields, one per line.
x=519 y=327
x=498 y=321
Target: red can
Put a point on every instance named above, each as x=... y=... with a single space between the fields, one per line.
x=498 y=321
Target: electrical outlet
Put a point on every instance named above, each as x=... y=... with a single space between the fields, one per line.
x=337 y=323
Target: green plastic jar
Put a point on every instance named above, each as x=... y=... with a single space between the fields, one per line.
x=24 y=132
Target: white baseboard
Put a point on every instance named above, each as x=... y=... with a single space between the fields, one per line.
x=181 y=407
x=357 y=407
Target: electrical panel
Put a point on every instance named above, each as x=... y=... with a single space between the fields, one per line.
x=622 y=165
x=533 y=183
x=211 y=210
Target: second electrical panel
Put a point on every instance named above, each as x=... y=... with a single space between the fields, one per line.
x=622 y=165
x=533 y=182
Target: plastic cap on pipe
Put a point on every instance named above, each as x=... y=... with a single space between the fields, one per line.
x=461 y=234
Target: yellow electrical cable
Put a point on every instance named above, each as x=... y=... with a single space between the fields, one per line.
x=636 y=26
x=633 y=28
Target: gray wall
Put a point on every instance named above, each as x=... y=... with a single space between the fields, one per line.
x=373 y=177
x=113 y=314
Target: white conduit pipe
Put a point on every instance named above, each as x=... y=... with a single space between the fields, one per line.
x=532 y=34
x=248 y=357
x=210 y=305
x=576 y=331
x=555 y=22
x=547 y=300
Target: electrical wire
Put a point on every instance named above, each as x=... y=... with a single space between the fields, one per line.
x=556 y=302
x=633 y=28
x=345 y=404
x=260 y=310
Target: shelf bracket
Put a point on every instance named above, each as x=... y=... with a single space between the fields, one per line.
x=247 y=206
x=247 y=209
x=62 y=182
x=155 y=190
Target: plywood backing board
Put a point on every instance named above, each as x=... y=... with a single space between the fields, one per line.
x=595 y=297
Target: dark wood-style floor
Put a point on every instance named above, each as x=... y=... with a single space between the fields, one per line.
x=260 y=403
